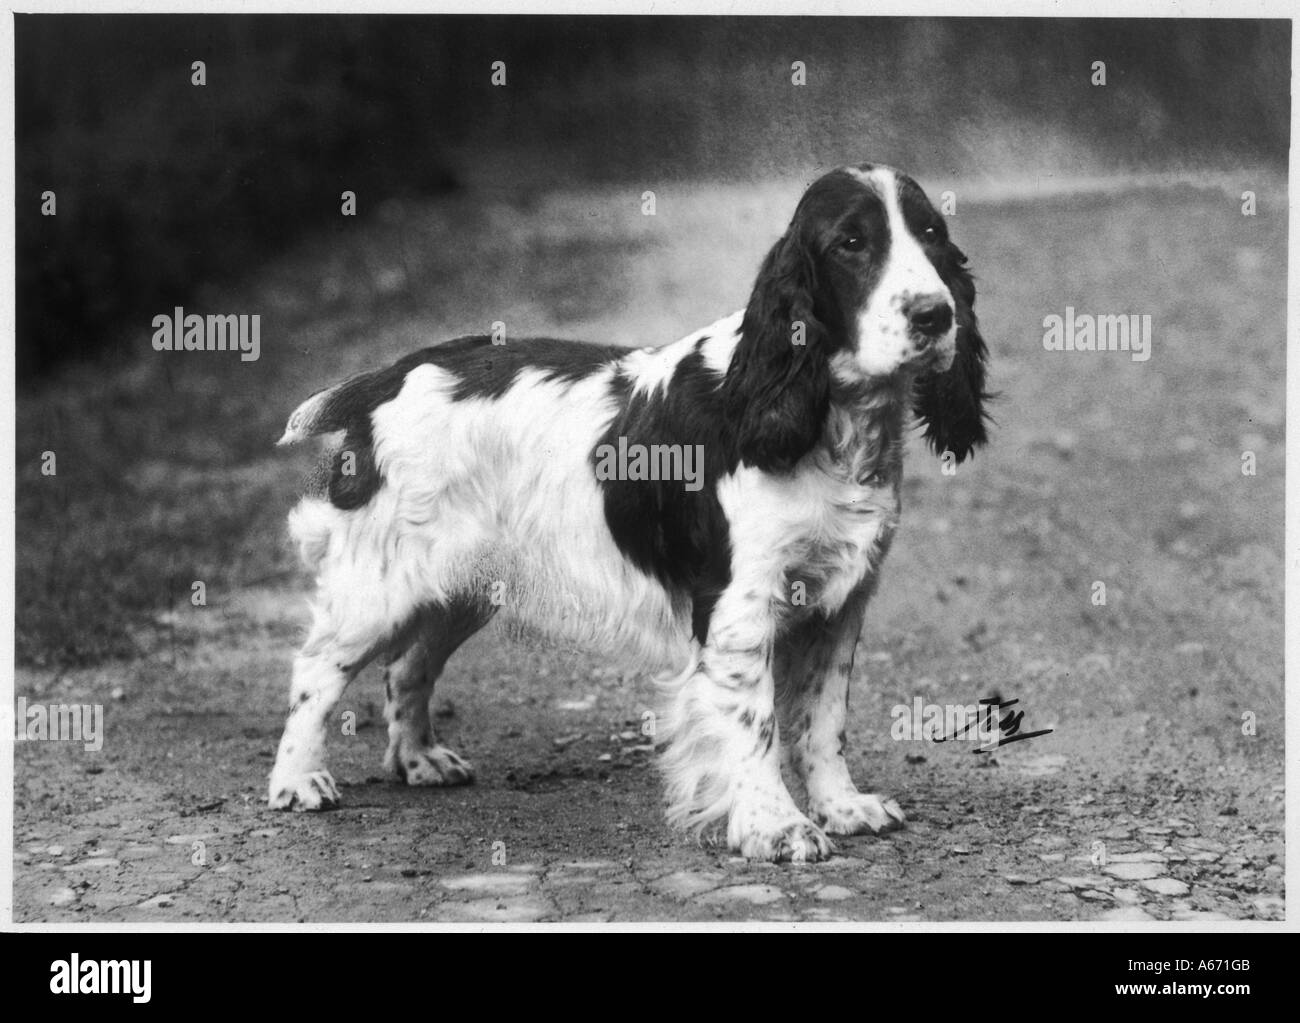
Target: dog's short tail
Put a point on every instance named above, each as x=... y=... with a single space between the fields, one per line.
x=311 y=418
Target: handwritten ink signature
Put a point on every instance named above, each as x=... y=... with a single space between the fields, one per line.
x=1006 y=731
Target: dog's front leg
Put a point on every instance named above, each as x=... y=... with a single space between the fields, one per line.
x=723 y=757
x=813 y=664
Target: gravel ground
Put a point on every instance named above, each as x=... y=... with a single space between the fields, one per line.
x=1150 y=799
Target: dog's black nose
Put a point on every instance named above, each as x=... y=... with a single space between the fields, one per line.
x=930 y=315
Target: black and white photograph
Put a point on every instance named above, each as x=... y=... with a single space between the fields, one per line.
x=704 y=466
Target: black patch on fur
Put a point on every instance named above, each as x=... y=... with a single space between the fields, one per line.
x=766 y=733
x=950 y=404
x=353 y=475
x=482 y=370
x=488 y=371
x=678 y=536
x=778 y=392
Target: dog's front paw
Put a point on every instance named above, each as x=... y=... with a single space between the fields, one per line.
x=797 y=841
x=314 y=790
x=434 y=765
x=857 y=813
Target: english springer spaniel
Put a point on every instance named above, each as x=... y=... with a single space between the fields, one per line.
x=535 y=479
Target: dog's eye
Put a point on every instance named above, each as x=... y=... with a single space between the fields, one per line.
x=932 y=234
x=854 y=243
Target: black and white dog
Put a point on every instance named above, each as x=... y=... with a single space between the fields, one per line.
x=473 y=478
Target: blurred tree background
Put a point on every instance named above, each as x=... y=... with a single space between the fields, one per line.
x=162 y=185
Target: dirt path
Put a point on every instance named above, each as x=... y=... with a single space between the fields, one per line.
x=169 y=821
x=1151 y=799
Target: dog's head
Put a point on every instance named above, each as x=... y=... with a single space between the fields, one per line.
x=864 y=285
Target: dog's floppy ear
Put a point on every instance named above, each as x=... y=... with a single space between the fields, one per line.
x=778 y=384
x=951 y=403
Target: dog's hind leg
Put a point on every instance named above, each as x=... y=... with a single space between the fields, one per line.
x=330 y=659
x=414 y=753
x=360 y=612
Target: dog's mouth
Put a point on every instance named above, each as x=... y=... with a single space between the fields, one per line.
x=930 y=354
x=912 y=355
x=938 y=357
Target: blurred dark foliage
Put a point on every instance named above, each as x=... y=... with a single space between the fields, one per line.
x=162 y=185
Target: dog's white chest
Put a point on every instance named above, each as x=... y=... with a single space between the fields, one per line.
x=851 y=537
x=813 y=535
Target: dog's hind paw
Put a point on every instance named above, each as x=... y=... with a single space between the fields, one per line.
x=434 y=765
x=314 y=790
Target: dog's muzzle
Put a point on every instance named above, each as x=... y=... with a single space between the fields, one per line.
x=930 y=321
